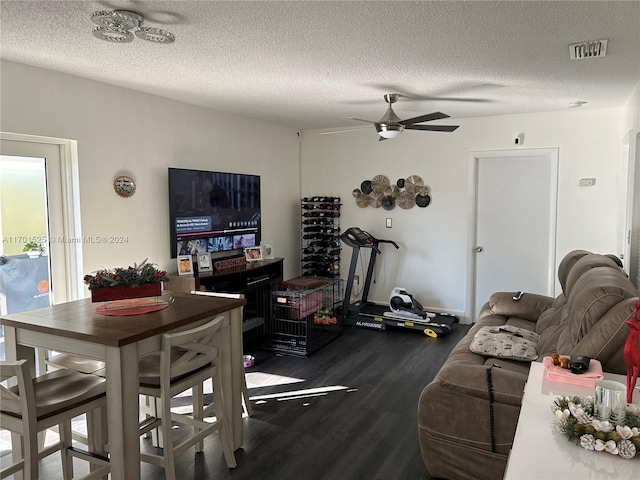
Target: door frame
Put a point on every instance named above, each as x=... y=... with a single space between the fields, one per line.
x=69 y=246
x=629 y=215
x=474 y=158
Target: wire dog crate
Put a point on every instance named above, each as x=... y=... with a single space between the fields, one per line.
x=302 y=321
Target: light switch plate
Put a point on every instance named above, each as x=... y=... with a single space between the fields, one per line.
x=587 y=182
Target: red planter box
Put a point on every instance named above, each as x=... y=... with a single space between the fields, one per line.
x=122 y=293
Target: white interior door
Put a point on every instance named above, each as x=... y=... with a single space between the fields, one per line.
x=513 y=245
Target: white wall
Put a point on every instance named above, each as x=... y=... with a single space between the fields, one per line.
x=121 y=131
x=433 y=240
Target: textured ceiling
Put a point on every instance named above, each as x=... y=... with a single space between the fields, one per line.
x=307 y=64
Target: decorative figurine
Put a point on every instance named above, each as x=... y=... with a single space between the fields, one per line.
x=632 y=352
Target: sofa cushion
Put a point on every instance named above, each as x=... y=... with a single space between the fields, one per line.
x=530 y=306
x=583 y=265
x=552 y=316
x=593 y=295
x=567 y=264
x=506 y=341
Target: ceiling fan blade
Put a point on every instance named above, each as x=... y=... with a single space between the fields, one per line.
x=359 y=119
x=433 y=128
x=343 y=131
x=450 y=94
x=424 y=118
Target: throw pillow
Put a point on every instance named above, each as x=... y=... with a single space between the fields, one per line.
x=505 y=342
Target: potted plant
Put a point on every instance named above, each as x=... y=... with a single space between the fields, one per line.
x=144 y=280
x=33 y=249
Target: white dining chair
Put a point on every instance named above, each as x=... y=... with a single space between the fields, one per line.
x=49 y=360
x=186 y=359
x=246 y=403
x=55 y=398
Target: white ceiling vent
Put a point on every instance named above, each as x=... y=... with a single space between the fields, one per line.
x=592 y=49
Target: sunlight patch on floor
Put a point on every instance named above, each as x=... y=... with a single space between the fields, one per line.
x=296 y=394
x=264 y=379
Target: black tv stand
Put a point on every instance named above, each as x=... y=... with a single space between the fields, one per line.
x=254 y=280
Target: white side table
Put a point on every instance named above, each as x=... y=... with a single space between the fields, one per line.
x=540 y=452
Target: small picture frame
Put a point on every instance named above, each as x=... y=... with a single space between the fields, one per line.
x=267 y=250
x=185 y=265
x=253 y=254
x=204 y=262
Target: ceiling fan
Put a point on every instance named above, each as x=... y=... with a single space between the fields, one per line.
x=390 y=125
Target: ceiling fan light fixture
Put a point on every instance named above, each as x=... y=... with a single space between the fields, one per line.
x=119 y=26
x=389 y=131
x=115 y=35
x=117 y=19
x=154 y=35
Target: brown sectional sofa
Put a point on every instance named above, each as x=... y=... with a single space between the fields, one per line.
x=587 y=318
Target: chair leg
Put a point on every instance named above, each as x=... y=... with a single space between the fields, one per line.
x=221 y=416
x=197 y=397
x=30 y=455
x=167 y=434
x=246 y=403
x=157 y=439
x=64 y=430
x=97 y=435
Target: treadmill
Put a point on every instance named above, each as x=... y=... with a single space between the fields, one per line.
x=364 y=313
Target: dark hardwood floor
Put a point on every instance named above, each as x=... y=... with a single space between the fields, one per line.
x=360 y=425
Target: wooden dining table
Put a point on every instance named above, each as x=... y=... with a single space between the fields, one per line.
x=75 y=327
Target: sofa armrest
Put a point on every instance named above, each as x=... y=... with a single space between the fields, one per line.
x=529 y=307
x=471 y=380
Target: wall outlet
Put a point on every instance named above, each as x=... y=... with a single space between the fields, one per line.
x=356 y=278
x=388 y=223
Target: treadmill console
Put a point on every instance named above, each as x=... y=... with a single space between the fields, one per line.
x=354 y=237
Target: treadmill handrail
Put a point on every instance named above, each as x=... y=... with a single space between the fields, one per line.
x=353 y=243
x=391 y=242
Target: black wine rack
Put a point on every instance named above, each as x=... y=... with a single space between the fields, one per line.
x=320 y=236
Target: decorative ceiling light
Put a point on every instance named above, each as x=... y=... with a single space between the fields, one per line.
x=389 y=131
x=389 y=125
x=119 y=26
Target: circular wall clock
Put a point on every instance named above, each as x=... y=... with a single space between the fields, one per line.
x=124 y=186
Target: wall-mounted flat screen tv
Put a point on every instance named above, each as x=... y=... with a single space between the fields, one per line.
x=213 y=211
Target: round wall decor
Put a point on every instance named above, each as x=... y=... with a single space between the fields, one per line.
x=366 y=187
x=375 y=199
x=379 y=183
x=363 y=200
x=413 y=183
x=406 y=200
x=405 y=192
x=124 y=186
x=388 y=202
x=423 y=200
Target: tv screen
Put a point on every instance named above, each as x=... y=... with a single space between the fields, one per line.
x=213 y=211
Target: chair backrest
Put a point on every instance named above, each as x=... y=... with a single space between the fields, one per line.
x=17 y=401
x=198 y=347
x=218 y=294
